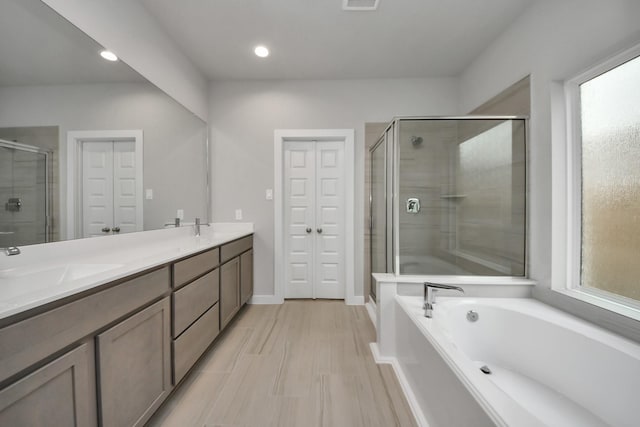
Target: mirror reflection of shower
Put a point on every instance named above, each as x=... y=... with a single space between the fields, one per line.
x=469 y=178
x=24 y=194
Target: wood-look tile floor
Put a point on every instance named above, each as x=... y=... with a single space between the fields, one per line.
x=302 y=363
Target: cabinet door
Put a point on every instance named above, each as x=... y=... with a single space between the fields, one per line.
x=60 y=393
x=134 y=370
x=229 y=290
x=246 y=276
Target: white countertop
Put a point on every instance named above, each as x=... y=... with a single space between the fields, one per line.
x=49 y=272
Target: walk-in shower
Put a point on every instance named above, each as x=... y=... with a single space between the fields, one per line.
x=448 y=197
x=24 y=194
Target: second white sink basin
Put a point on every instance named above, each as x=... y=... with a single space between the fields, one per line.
x=17 y=283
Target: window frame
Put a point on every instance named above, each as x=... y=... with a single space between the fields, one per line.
x=573 y=284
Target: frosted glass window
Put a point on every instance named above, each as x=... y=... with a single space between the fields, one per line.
x=610 y=122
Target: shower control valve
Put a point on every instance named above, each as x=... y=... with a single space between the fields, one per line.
x=413 y=205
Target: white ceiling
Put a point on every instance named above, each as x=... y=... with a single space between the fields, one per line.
x=39 y=47
x=316 y=39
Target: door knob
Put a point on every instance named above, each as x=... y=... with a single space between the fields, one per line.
x=116 y=229
x=106 y=230
x=308 y=229
x=319 y=230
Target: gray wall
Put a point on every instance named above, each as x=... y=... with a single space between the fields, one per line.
x=174 y=161
x=133 y=34
x=243 y=116
x=552 y=41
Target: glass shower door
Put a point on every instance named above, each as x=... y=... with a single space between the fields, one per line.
x=23 y=195
x=378 y=211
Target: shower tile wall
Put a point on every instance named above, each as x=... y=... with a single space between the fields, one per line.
x=424 y=174
x=469 y=177
x=490 y=174
x=25 y=176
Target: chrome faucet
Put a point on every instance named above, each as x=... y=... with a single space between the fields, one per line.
x=197 y=226
x=430 y=295
x=11 y=250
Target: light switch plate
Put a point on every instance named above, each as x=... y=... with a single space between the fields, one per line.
x=148 y=194
x=180 y=213
x=238 y=214
x=269 y=194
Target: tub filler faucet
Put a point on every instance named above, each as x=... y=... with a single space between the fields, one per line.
x=430 y=295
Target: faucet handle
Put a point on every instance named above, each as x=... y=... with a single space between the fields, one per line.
x=435 y=286
x=11 y=250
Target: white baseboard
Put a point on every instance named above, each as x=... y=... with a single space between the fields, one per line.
x=371 y=309
x=272 y=299
x=404 y=384
x=355 y=300
x=265 y=299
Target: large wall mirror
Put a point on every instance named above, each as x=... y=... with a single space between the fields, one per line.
x=88 y=147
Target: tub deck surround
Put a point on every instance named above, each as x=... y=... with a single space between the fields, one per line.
x=45 y=273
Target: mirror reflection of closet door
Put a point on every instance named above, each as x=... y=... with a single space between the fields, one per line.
x=108 y=188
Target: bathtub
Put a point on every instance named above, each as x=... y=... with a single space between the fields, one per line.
x=547 y=368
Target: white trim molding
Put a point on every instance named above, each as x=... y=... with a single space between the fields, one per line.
x=74 y=142
x=567 y=192
x=348 y=137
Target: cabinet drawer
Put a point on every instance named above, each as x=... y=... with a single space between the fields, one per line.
x=194 y=299
x=194 y=341
x=190 y=268
x=25 y=343
x=235 y=248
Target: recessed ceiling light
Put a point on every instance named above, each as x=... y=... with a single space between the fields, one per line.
x=108 y=55
x=261 y=51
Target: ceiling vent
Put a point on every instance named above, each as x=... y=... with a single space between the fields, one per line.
x=359 y=5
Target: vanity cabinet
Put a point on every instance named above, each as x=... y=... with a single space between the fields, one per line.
x=246 y=276
x=58 y=394
x=112 y=355
x=236 y=277
x=229 y=291
x=196 y=312
x=133 y=366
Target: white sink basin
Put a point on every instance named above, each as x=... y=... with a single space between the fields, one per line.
x=17 y=283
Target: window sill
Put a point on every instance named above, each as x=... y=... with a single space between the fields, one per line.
x=602 y=302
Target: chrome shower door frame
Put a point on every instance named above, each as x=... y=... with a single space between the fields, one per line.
x=47 y=173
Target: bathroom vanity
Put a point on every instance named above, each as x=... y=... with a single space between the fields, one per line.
x=108 y=348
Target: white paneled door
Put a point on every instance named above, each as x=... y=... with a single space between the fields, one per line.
x=314 y=217
x=109 y=199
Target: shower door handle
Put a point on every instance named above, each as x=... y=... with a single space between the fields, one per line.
x=106 y=230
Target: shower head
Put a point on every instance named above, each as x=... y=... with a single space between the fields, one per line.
x=416 y=140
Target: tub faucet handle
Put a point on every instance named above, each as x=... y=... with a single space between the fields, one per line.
x=430 y=295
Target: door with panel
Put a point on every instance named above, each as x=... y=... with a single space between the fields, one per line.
x=109 y=199
x=314 y=219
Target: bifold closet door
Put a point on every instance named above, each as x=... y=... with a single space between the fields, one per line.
x=108 y=188
x=314 y=219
